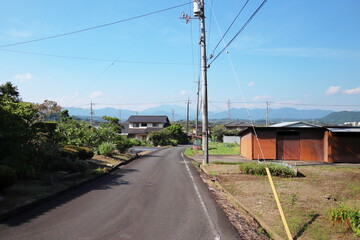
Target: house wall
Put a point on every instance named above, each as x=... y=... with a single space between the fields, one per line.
x=312 y=144
x=246 y=145
x=231 y=139
x=344 y=147
x=148 y=125
x=267 y=141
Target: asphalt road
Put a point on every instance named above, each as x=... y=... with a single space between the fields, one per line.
x=159 y=196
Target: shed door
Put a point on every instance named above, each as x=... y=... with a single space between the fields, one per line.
x=288 y=146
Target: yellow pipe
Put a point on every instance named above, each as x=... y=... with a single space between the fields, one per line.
x=288 y=233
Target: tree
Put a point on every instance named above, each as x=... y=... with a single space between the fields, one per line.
x=176 y=133
x=9 y=91
x=218 y=132
x=47 y=109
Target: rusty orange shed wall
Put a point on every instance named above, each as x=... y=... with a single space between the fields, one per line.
x=344 y=147
x=267 y=140
x=311 y=145
x=246 y=145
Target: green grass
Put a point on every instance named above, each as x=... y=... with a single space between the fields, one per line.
x=227 y=163
x=216 y=148
x=189 y=152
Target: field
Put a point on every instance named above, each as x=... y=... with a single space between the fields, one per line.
x=306 y=200
x=216 y=148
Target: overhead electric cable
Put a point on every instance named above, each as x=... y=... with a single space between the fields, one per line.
x=95 y=27
x=92 y=59
x=230 y=25
x=237 y=34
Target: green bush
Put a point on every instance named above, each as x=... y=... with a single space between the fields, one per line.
x=7 y=177
x=75 y=152
x=106 y=149
x=174 y=142
x=85 y=153
x=349 y=216
x=135 y=142
x=259 y=169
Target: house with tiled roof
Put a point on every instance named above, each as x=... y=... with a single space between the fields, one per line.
x=140 y=126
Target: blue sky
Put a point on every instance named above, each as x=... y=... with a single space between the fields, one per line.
x=303 y=54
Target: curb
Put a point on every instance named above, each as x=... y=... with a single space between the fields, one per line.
x=244 y=209
x=38 y=202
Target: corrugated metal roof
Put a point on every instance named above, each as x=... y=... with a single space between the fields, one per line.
x=295 y=125
x=237 y=124
x=341 y=130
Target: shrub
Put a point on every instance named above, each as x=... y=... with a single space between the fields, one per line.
x=7 y=177
x=75 y=152
x=256 y=168
x=85 y=153
x=174 y=142
x=135 y=142
x=106 y=148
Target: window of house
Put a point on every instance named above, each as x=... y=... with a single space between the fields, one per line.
x=144 y=124
x=135 y=125
x=154 y=124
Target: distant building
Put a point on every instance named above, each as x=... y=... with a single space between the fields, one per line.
x=237 y=126
x=140 y=126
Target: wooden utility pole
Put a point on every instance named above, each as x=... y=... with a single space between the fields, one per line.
x=187 y=117
x=197 y=109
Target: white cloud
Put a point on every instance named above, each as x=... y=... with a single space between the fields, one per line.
x=332 y=90
x=19 y=33
x=250 y=84
x=96 y=94
x=310 y=52
x=23 y=77
x=182 y=93
x=352 y=91
x=261 y=97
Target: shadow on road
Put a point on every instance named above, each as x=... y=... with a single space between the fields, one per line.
x=102 y=183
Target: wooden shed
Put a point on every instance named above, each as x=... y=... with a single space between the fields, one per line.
x=283 y=144
x=342 y=144
x=301 y=141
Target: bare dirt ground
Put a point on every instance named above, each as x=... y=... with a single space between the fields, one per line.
x=306 y=200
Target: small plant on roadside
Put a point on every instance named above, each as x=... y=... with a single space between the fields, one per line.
x=107 y=149
x=348 y=216
x=7 y=177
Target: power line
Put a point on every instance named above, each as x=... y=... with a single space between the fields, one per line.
x=230 y=25
x=237 y=34
x=93 y=59
x=95 y=27
x=318 y=105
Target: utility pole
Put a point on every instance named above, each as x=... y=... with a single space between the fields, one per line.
x=197 y=109
x=199 y=10
x=267 y=113
x=91 y=112
x=199 y=13
x=187 y=117
x=120 y=115
x=229 y=111
x=173 y=115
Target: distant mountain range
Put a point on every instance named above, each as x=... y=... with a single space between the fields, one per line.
x=175 y=113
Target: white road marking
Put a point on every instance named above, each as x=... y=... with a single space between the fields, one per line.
x=211 y=223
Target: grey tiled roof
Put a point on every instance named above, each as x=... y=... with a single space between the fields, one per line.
x=148 y=119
